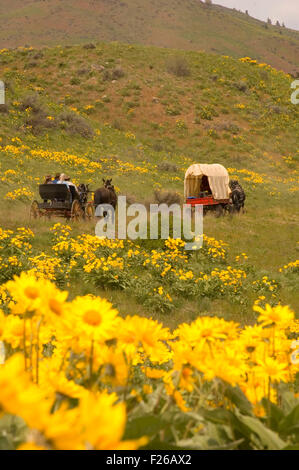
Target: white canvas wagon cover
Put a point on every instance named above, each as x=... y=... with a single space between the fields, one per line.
x=217 y=176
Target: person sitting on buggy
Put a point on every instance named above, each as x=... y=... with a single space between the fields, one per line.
x=71 y=186
x=56 y=179
x=48 y=179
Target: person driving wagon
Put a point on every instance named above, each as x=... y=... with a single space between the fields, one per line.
x=71 y=186
x=61 y=178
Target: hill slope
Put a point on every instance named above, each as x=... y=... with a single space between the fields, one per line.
x=182 y=24
x=142 y=115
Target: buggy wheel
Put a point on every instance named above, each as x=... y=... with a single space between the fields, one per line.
x=89 y=211
x=76 y=211
x=34 y=210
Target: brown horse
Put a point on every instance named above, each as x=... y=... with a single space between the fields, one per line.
x=106 y=195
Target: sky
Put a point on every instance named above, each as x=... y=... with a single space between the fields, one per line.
x=286 y=11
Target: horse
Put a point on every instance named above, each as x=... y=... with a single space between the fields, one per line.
x=106 y=195
x=83 y=190
x=238 y=195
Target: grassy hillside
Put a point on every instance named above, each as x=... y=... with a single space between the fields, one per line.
x=142 y=115
x=183 y=24
x=197 y=347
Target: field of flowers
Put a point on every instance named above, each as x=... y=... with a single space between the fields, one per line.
x=170 y=349
x=160 y=278
x=79 y=376
x=211 y=383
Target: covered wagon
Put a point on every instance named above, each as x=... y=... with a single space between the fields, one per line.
x=207 y=185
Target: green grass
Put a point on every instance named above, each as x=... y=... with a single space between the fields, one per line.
x=255 y=138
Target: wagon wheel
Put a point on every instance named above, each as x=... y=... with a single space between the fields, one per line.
x=76 y=211
x=34 y=210
x=89 y=211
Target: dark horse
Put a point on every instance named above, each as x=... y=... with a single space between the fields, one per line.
x=105 y=195
x=83 y=190
x=238 y=195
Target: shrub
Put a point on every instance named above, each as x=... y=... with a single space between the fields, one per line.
x=38 y=121
x=206 y=112
x=174 y=110
x=38 y=117
x=31 y=101
x=83 y=71
x=167 y=197
x=178 y=66
x=118 y=72
x=38 y=55
x=114 y=74
x=75 y=81
x=117 y=125
x=89 y=46
x=241 y=86
x=106 y=75
x=76 y=124
x=168 y=166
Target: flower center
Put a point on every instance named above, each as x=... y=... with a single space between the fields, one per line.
x=92 y=317
x=55 y=306
x=31 y=292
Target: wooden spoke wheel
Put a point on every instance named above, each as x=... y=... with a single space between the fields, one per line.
x=35 y=213
x=89 y=211
x=76 y=211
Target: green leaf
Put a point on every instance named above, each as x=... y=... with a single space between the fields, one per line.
x=268 y=438
x=275 y=413
x=288 y=401
x=148 y=425
x=290 y=423
x=217 y=416
x=237 y=397
x=12 y=432
x=229 y=419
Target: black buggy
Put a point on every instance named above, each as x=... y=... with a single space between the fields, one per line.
x=61 y=200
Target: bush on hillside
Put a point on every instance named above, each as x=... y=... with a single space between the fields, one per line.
x=83 y=71
x=31 y=101
x=89 y=46
x=178 y=65
x=240 y=85
x=115 y=74
x=38 y=55
x=167 y=197
x=75 y=124
x=39 y=120
x=168 y=166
